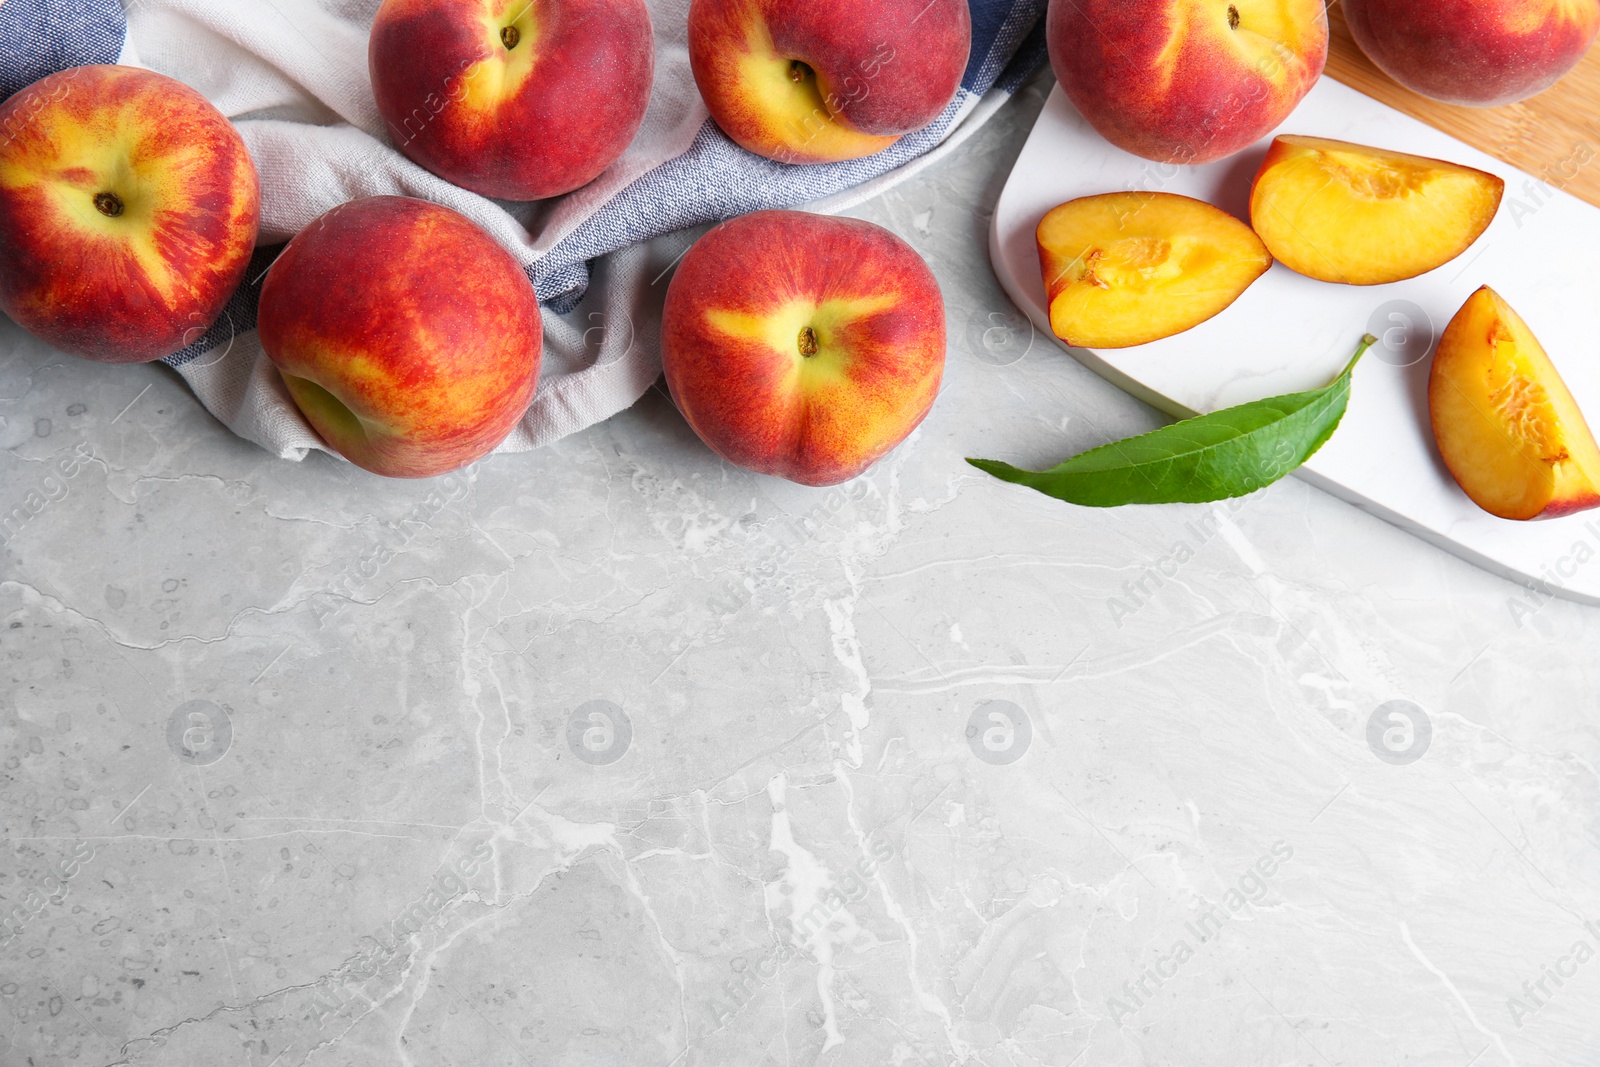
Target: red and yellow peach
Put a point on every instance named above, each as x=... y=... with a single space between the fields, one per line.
x=408 y=338
x=1186 y=81
x=801 y=345
x=1482 y=53
x=513 y=99
x=128 y=212
x=827 y=81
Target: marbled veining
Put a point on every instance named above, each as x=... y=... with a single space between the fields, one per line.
x=413 y=852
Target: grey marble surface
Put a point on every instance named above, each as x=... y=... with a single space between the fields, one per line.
x=611 y=753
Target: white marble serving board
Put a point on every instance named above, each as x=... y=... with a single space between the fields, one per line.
x=1289 y=332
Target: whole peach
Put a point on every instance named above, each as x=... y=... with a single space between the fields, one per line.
x=819 y=82
x=129 y=208
x=802 y=345
x=1482 y=53
x=408 y=338
x=1188 y=82
x=513 y=99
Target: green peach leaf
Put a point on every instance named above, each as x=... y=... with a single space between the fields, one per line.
x=1228 y=453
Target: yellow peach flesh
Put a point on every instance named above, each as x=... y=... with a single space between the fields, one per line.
x=1126 y=269
x=1341 y=212
x=1506 y=426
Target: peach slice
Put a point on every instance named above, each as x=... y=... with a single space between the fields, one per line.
x=1506 y=425
x=1123 y=269
x=1342 y=212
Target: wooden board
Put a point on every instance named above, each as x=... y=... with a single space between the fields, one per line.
x=1555 y=136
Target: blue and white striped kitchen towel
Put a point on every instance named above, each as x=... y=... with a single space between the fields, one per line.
x=292 y=75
